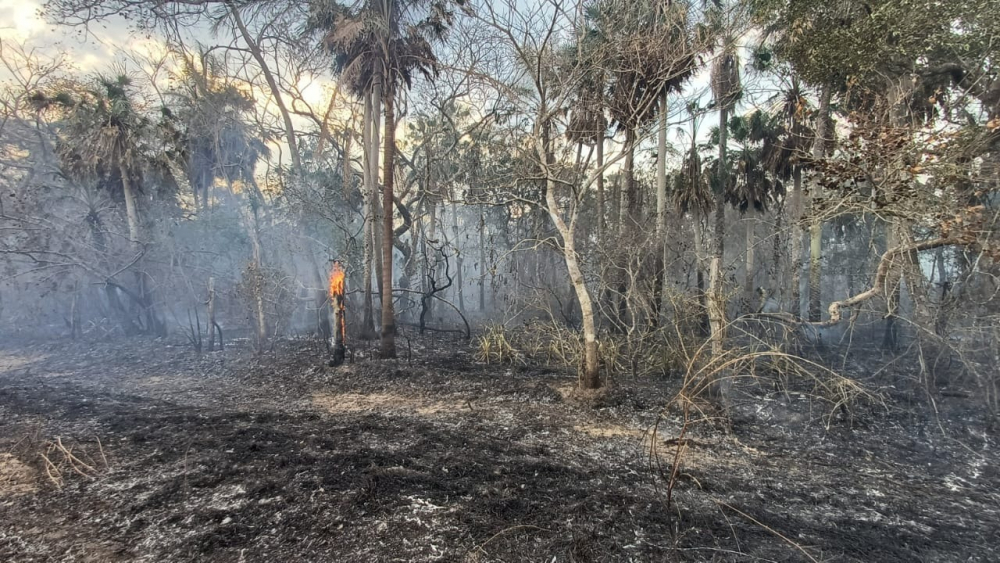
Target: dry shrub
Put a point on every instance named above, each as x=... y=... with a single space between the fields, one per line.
x=556 y=345
x=712 y=377
x=494 y=346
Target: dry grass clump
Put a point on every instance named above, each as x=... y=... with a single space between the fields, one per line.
x=494 y=346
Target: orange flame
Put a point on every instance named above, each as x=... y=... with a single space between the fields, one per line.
x=337 y=297
x=336 y=281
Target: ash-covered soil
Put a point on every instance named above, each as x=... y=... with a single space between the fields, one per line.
x=142 y=451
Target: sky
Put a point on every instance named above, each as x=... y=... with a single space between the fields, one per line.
x=21 y=22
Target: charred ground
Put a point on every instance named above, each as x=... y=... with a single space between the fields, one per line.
x=228 y=457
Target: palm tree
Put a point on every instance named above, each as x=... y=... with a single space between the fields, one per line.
x=726 y=90
x=692 y=195
x=210 y=126
x=755 y=186
x=107 y=140
x=648 y=53
x=378 y=47
x=783 y=153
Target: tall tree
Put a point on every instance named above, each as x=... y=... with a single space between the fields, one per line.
x=107 y=140
x=378 y=48
x=726 y=90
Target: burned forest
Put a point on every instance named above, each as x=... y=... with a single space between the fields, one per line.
x=499 y=281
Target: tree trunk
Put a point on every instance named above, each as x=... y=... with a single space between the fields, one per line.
x=589 y=377
x=337 y=330
x=661 y=206
x=367 y=331
x=211 y=314
x=131 y=208
x=890 y=338
x=347 y=175
x=616 y=204
x=795 y=246
x=153 y=324
x=630 y=208
x=459 y=280
x=815 y=270
x=431 y=259
x=376 y=231
x=816 y=227
x=775 y=277
x=699 y=254
x=749 y=291
x=388 y=345
x=258 y=285
x=600 y=189
x=482 y=260
x=716 y=294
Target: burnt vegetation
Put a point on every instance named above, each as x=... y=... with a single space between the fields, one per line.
x=493 y=280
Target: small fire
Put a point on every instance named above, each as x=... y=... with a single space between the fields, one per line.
x=337 y=281
x=337 y=297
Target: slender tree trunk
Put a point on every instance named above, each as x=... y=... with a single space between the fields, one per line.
x=699 y=254
x=661 y=172
x=748 y=285
x=482 y=260
x=131 y=207
x=347 y=175
x=716 y=293
x=661 y=205
x=459 y=261
x=337 y=329
x=367 y=331
x=815 y=270
x=258 y=284
x=590 y=374
x=211 y=314
x=616 y=204
x=388 y=346
x=630 y=208
x=600 y=189
x=816 y=227
x=890 y=338
x=795 y=246
x=377 y=211
x=776 y=279
x=153 y=324
x=431 y=259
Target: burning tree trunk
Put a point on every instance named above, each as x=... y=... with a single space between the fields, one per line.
x=338 y=326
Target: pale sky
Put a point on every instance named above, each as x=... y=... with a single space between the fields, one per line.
x=20 y=22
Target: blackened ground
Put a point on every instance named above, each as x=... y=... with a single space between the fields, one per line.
x=225 y=457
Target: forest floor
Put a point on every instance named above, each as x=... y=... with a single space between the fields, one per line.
x=143 y=451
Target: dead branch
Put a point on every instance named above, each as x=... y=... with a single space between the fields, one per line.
x=882 y=272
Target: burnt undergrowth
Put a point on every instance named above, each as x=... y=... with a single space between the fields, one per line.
x=235 y=457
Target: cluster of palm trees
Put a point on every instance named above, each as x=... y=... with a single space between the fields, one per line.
x=378 y=47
